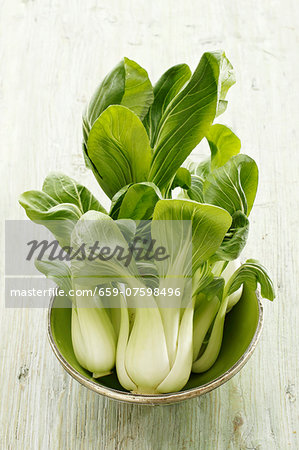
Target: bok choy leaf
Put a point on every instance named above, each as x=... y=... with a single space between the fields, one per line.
x=165 y=90
x=119 y=148
x=233 y=186
x=187 y=119
x=250 y=273
x=223 y=144
x=128 y=85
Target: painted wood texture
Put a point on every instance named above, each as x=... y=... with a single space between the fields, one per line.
x=52 y=56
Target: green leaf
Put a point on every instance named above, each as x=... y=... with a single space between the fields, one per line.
x=116 y=201
x=57 y=271
x=128 y=85
x=110 y=92
x=149 y=273
x=214 y=289
x=251 y=273
x=202 y=278
x=139 y=201
x=226 y=80
x=201 y=169
x=209 y=225
x=223 y=144
x=60 y=219
x=138 y=94
x=235 y=239
x=182 y=179
x=59 y=205
x=64 y=189
x=96 y=227
x=188 y=118
x=195 y=190
x=205 y=282
x=166 y=88
x=127 y=228
x=233 y=186
x=119 y=148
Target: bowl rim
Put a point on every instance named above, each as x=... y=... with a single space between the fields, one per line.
x=157 y=399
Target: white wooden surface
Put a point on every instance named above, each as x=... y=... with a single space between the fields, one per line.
x=52 y=56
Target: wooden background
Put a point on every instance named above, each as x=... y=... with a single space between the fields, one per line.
x=52 y=55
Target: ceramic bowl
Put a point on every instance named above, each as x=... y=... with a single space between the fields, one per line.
x=242 y=330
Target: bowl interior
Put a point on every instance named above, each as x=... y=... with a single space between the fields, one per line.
x=240 y=327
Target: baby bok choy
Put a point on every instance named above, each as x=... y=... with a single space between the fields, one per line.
x=94 y=337
x=160 y=272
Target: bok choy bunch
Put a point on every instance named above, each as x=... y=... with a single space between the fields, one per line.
x=137 y=141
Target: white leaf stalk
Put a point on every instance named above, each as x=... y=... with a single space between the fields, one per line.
x=181 y=368
x=93 y=337
x=171 y=314
x=142 y=359
x=227 y=274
